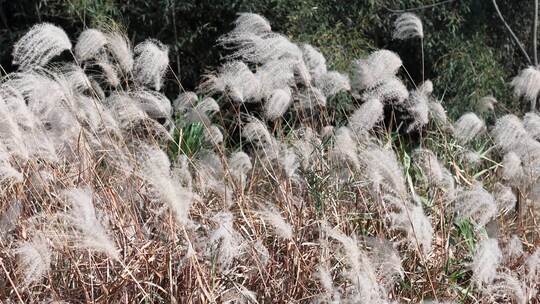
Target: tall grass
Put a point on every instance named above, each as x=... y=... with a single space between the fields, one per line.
x=279 y=180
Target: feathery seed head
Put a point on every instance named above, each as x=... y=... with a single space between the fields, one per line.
x=39 y=45
x=505 y=197
x=185 y=101
x=468 y=127
x=476 y=204
x=332 y=83
x=34 y=259
x=278 y=223
x=376 y=68
x=389 y=91
x=251 y=23
x=314 y=60
x=511 y=170
x=90 y=44
x=277 y=105
x=486 y=104
x=120 y=47
x=486 y=260
x=151 y=62
x=408 y=26
x=509 y=133
x=531 y=123
x=527 y=83
x=366 y=116
x=91 y=233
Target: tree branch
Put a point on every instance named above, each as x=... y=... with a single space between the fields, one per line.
x=419 y=7
x=520 y=45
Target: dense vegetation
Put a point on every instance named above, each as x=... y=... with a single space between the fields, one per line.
x=466 y=40
x=232 y=163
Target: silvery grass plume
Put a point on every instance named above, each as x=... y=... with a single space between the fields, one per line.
x=235 y=80
x=76 y=78
x=426 y=88
x=417 y=106
x=184 y=102
x=366 y=116
x=151 y=62
x=331 y=294
x=360 y=273
x=486 y=105
x=156 y=170
x=386 y=260
x=34 y=259
x=89 y=232
x=251 y=23
x=239 y=166
x=510 y=134
x=513 y=248
x=8 y=174
x=256 y=132
x=202 y=112
x=390 y=91
x=527 y=85
x=109 y=72
x=467 y=127
x=437 y=114
x=31 y=128
x=486 y=260
x=124 y=110
x=238 y=294
x=10 y=217
x=120 y=47
x=314 y=60
x=531 y=123
x=384 y=172
x=504 y=287
x=287 y=160
x=504 y=197
x=431 y=167
x=157 y=106
x=345 y=150
x=211 y=176
x=273 y=75
x=376 y=68
x=225 y=243
x=408 y=26
x=212 y=135
x=475 y=204
x=306 y=146
x=11 y=136
x=281 y=228
x=309 y=99
x=332 y=83
x=278 y=103
x=257 y=49
x=413 y=222
x=471 y=158
x=90 y=45
x=532 y=273
x=511 y=170
x=39 y=45
x=301 y=73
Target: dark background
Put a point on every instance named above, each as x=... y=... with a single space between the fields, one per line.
x=468 y=53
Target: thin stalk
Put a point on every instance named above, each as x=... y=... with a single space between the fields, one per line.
x=535 y=33
x=423 y=63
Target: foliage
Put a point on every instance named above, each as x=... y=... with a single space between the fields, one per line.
x=457 y=34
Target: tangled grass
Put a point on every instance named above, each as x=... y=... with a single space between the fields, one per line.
x=278 y=181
